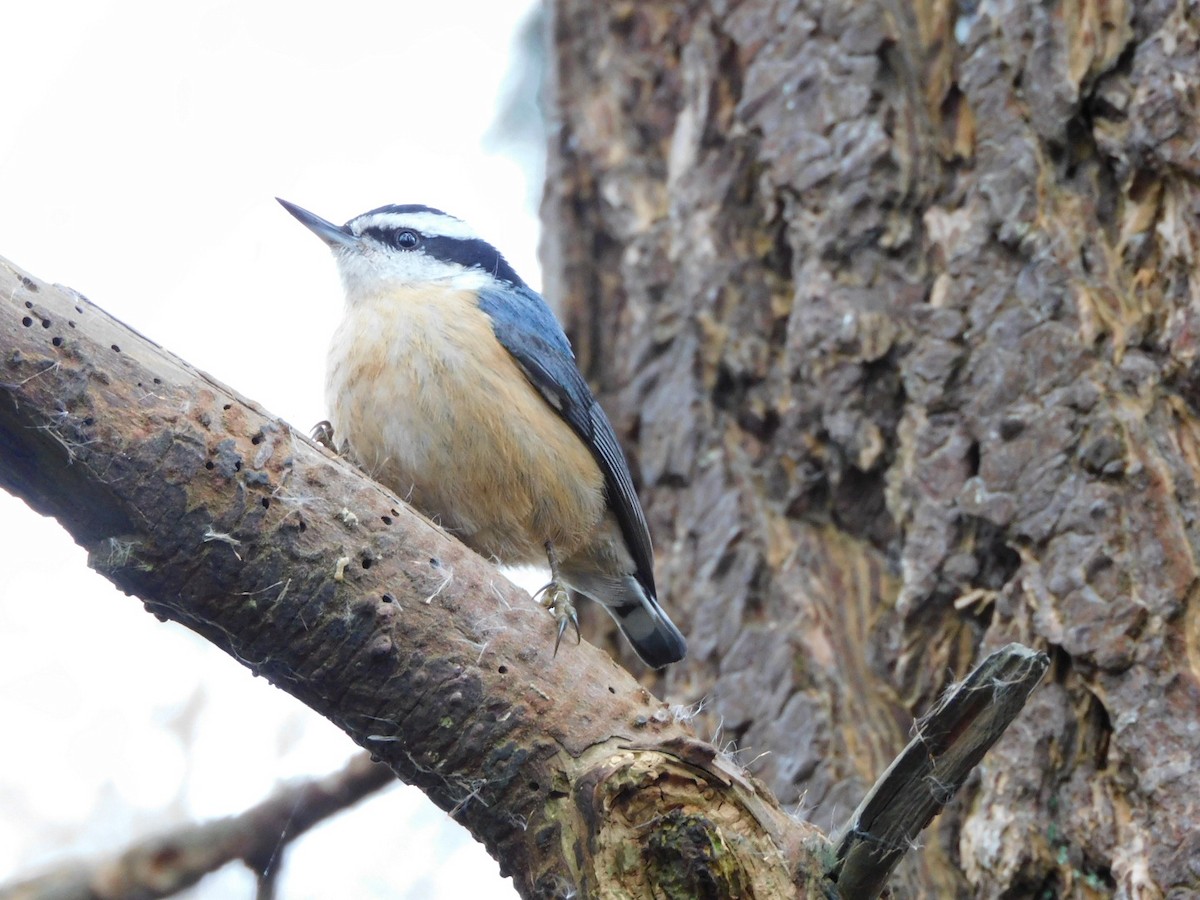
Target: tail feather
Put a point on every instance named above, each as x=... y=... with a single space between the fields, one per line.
x=652 y=635
x=635 y=610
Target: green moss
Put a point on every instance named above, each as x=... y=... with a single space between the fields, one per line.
x=687 y=858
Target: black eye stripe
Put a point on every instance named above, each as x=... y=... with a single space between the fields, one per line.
x=404 y=238
x=470 y=253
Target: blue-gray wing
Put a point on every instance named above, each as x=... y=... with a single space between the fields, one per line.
x=527 y=329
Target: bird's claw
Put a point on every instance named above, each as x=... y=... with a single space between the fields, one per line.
x=322 y=433
x=557 y=601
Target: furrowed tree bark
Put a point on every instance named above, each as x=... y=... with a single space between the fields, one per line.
x=221 y=518
x=895 y=307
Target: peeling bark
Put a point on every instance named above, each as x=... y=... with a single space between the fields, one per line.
x=895 y=308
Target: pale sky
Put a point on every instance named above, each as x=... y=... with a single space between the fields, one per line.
x=142 y=147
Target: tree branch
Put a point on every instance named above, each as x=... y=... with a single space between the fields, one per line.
x=165 y=864
x=949 y=742
x=222 y=518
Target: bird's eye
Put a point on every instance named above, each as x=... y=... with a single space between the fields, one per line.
x=406 y=239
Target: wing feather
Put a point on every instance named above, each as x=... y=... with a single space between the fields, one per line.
x=527 y=329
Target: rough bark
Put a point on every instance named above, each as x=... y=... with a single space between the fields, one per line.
x=221 y=518
x=895 y=307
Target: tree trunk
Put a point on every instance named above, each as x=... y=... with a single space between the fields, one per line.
x=894 y=307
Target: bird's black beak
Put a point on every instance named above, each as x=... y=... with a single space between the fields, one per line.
x=333 y=235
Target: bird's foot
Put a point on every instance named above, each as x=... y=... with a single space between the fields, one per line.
x=322 y=433
x=557 y=600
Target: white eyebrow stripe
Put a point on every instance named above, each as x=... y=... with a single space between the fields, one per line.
x=427 y=223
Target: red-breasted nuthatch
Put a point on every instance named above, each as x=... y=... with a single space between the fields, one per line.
x=451 y=382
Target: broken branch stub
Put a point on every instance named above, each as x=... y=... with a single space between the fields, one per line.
x=949 y=742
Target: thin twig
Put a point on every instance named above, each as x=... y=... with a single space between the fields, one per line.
x=165 y=864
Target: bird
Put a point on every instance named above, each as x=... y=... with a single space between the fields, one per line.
x=451 y=382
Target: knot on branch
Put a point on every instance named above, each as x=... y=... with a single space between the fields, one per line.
x=664 y=827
